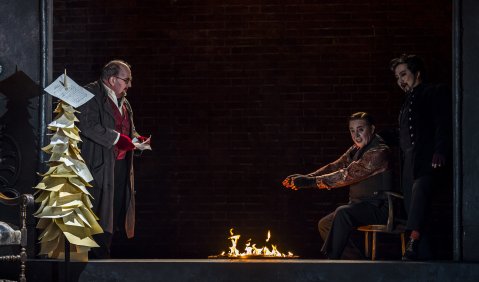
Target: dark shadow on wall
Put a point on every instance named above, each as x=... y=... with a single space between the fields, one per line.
x=18 y=141
x=19 y=163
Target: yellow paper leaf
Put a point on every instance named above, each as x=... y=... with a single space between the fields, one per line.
x=73 y=220
x=62 y=121
x=46 y=247
x=80 y=185
x=71 y=133
x=50 y=233
x=80 y=241
x=60 y=148
x=91 y=219
x=54 y=212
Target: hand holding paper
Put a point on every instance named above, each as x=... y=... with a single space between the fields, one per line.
x=125 y=143
x=143 y=139
x=142 y=143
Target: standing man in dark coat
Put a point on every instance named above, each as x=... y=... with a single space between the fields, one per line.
x=424 y=140
x=107 y=129
x=366 y=168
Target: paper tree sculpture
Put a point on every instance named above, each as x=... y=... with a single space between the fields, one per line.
x=65 y=205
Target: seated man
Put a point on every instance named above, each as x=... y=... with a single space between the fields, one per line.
x=366 y=169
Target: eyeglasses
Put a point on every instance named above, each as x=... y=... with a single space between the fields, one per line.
x=126 y=80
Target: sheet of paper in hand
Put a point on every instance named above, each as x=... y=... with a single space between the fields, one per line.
x=141 y=146
x=69 y=91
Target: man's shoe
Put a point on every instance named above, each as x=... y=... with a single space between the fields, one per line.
x=411 y=250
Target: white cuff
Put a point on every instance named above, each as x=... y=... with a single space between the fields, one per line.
x=117 y=138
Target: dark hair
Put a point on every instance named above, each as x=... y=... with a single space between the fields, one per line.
x=112 y=68
x=414 y=63
x=364 y=116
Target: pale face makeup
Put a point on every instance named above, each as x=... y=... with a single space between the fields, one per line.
x=405 y=78
x=361 y=132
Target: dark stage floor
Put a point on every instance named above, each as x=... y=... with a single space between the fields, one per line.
x=249 y=270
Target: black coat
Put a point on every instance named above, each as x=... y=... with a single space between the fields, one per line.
x=425 y=126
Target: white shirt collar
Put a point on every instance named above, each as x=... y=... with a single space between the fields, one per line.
x=112 y=96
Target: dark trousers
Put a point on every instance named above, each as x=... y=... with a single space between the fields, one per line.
x=119 y=204
x=417 y=201
x=417 y=193
x=336 y=228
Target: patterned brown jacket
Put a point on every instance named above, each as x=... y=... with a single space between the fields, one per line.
x=355 y=165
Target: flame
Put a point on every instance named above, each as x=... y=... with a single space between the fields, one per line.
x=234 y=240
x=252 y=250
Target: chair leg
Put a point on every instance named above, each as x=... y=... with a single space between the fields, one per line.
x=23 y=259
x=366 y=244
x=373 y=256
x=403 y=244
x=22 y=277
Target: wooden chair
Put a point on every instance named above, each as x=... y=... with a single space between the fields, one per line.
x=394 y=225
x=9 y=236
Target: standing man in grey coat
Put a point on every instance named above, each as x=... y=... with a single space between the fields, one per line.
x=107 y=129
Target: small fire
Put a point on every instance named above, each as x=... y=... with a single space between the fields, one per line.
x=251 y=250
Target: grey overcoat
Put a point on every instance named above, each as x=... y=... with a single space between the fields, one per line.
x=97 y=126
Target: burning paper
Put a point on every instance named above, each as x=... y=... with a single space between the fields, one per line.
x=251 y=250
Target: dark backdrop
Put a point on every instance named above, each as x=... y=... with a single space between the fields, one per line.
x=239 y=94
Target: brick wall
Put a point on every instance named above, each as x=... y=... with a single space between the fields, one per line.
x=239 y=94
